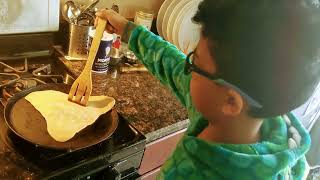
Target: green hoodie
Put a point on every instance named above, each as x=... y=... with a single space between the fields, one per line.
x=279 y=154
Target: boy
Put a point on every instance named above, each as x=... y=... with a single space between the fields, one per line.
x=255 y=62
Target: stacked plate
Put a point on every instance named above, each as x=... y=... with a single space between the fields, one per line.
x=174 y=23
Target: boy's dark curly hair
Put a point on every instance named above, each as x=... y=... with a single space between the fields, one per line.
x=268 y=48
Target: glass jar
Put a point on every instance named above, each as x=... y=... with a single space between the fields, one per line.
x=144 y=18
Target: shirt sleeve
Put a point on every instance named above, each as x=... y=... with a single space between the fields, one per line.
x=161 y=58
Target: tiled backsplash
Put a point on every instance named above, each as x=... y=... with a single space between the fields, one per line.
x=127 y=7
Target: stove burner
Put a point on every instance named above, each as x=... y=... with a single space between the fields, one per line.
x=47 y=70
x=10 y=69
x=15 y=78
x=8 y=78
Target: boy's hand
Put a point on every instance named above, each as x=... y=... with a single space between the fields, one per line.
x=116 y=23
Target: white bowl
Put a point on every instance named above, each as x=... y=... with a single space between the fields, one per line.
x=160 y=15
x=173 y=17
x=166 y=17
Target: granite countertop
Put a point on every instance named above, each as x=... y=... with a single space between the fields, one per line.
x=148 y=105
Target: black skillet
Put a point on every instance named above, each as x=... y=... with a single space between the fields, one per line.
x=27 y=123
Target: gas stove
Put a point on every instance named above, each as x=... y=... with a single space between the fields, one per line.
x=118 y=157
x=19 y=74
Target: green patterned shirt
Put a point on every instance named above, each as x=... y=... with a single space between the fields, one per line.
x=279 y=154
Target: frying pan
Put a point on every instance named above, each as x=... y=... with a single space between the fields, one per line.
x=27 y=123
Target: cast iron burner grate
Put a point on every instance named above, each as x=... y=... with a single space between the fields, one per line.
x=18 y=75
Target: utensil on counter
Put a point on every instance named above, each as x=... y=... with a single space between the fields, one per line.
x=85 y=19
x=90 y=6
x=87 y=15
x=65 y=10
x=33 y=128
x=116 y=56
x=76 y=12
x=78 y=41
x=82 y=87
x=72 y=11
x=130 y=57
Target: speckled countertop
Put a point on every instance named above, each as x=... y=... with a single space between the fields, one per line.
x=140 y=98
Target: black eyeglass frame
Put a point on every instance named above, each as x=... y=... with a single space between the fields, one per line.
x=189 y=67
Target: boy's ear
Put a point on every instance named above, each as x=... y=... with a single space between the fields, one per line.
x=233 y=104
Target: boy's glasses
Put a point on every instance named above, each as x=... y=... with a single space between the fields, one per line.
x=190 y=66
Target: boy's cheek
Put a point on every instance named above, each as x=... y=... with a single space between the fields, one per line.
x=200 y=96
x=205 y=97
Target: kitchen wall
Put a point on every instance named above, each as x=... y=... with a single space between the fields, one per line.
x=127 y=7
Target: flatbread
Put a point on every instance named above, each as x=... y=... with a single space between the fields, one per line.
x=64 y=118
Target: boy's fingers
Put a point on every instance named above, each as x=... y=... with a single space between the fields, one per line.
x=112 y=17
x=104 y=14
x=99 y=13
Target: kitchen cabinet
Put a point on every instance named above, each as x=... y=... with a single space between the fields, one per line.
x=157 y=152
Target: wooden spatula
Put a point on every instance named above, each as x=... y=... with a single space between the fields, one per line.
x=82 y=86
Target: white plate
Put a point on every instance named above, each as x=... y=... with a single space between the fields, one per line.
x=176 y=27
x=173 y=17
x=167 y=14
x=160 y=16
x=189 y=32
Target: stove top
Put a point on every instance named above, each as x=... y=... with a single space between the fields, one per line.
x=118 y=156
x=19 y=74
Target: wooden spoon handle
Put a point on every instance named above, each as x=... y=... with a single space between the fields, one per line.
x=95 y=43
